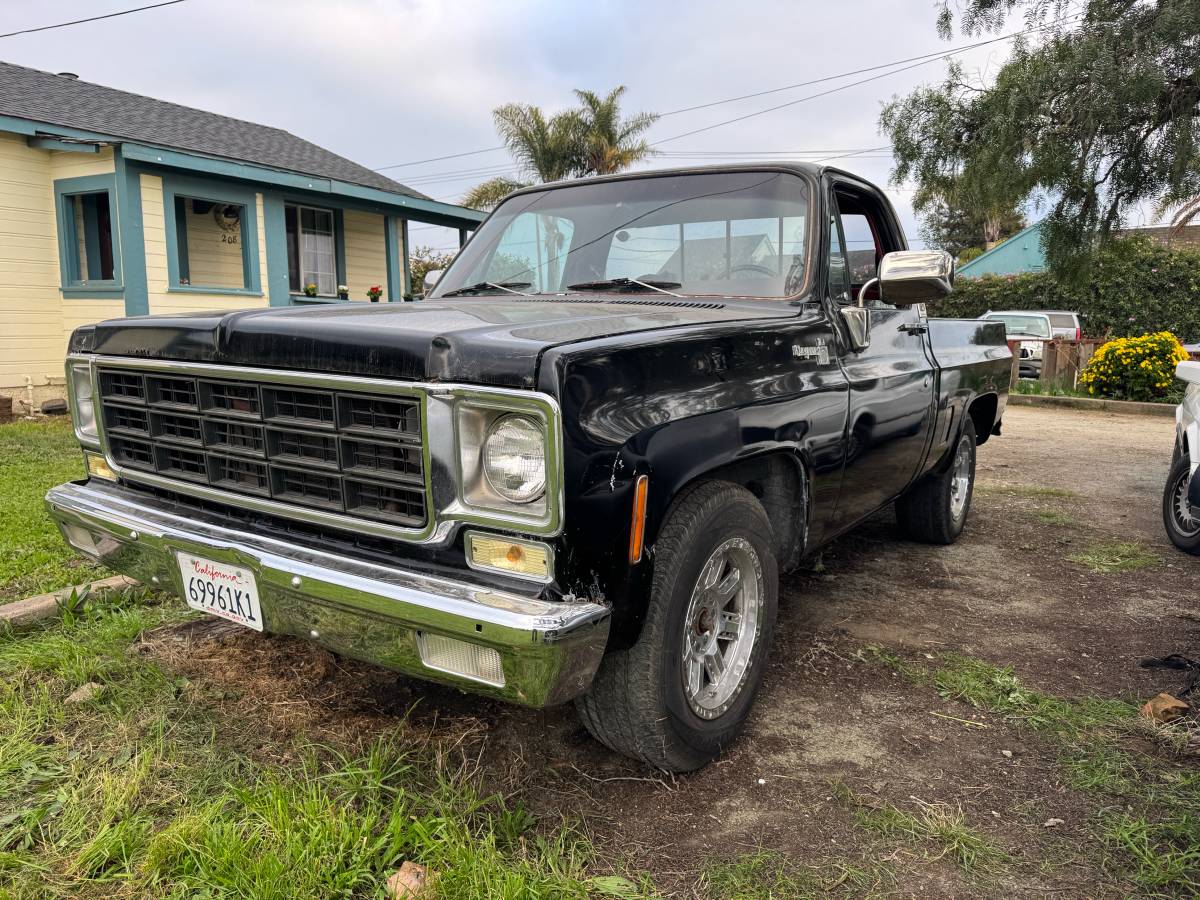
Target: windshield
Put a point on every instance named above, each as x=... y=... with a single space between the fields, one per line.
x=1038 y=326
x=739 y=234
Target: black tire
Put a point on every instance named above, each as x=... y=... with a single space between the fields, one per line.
x=929 y=511
x=638 y=704
x=1182 y=529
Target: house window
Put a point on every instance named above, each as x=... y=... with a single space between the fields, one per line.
x=211 y=243
x=312 y=249
x=88 y=249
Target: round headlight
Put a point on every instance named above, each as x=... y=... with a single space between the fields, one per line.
x=514 y=458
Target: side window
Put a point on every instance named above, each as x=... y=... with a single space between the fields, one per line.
x=532 y=249
x=839 y=273
x=865 y=240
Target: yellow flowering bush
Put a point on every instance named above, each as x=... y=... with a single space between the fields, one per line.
x=1134 y=368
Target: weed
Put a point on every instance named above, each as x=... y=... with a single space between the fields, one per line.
x=939 y=824
x=1053 y=517
x=1159 y=855
x=1121 y=556
x=1024 y=490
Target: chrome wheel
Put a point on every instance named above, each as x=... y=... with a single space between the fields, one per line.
x=1181 y=510
x=960 y=479
x=721 y=626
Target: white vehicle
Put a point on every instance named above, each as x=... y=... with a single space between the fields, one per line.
x=1063 y=324
x=1181 y=494
x=1032 y=329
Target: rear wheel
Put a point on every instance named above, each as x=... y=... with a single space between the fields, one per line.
x=680 y=695
x=935 y=509
x=1180 y=520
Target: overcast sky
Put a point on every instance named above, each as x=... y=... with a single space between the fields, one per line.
x=393 y=81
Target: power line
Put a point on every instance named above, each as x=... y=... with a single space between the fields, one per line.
x=417 y=162
x=916 y=60
x=112 y=15
x=770 y=109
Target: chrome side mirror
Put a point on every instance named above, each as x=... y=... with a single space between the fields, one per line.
x=908 y=277
x=432 y=277
x=858 y=325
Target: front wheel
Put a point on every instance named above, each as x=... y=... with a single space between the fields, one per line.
x=1183 y=528
x=934 y=510
x=680 y=695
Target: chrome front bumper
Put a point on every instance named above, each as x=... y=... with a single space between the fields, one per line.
x=549 y=651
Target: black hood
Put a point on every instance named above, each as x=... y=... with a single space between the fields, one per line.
x=477 y=340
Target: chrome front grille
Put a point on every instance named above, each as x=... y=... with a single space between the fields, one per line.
x=338 y=451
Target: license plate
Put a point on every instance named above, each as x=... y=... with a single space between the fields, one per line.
x=220 y=590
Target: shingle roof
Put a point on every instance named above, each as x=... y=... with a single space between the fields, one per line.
x=45 y=97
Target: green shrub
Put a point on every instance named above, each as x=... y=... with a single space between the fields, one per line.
x=1134 y=286
x=1134 y=368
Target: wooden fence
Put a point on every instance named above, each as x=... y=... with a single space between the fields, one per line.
x=1062 y=361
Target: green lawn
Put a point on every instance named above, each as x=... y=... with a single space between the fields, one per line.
x=35 y=456
x=148 y=790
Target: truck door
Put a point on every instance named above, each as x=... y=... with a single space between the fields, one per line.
x=891 y=381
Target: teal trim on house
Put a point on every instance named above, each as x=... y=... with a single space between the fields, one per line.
x=1019 y=254
x=395 y=286
x=181 y=238
x=409 y=287
x=372 y=198
x=34 y=129
x=339 y=244
x=131 y=236
x=278 y=289
x=45 y=143
x=72 y=281
x=215 y=192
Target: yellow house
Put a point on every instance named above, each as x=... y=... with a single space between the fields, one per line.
x=114 y=204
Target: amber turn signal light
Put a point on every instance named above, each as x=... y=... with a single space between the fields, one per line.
x=97 y=467
x=637 y=527
x=527 y=559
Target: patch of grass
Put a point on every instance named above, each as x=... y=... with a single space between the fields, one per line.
x=1160 y=855
x=1121 y=556
x=937 y=824
x=1155 y=840
x=1053 y=517
x=767 y=875
x=150 y=791
x=34 y=457
x=1024 y=490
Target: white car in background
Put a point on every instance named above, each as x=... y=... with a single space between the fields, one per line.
x=1181 y=493
x=1032 y=329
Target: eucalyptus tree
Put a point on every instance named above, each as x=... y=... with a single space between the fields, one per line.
x=1095 y=113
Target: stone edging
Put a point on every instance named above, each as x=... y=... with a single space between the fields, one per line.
x=1095 y=405
x=19 y=613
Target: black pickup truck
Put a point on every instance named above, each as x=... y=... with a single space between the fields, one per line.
x=577 y=468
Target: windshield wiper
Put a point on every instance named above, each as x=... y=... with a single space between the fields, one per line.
x=506 y=286
x=626 y=283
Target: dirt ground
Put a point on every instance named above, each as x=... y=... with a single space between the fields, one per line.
x=828 y=713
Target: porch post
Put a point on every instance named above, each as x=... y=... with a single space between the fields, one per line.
x=395 y=287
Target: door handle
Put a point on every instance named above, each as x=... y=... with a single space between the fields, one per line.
x=914 y=329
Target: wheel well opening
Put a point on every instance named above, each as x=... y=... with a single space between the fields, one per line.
x=983 y=413
x=778 y=482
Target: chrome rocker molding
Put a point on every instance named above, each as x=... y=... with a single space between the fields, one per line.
x=549 y=651
x=445 y=505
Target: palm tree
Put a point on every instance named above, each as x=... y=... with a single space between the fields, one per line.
x=545 y=149
x=591 y=140
x=486 y=195
x=612 y=144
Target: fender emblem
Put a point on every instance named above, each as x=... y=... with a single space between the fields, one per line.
x=818 y=351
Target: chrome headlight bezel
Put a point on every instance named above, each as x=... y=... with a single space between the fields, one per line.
x=476 y=417
x=81 y=397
